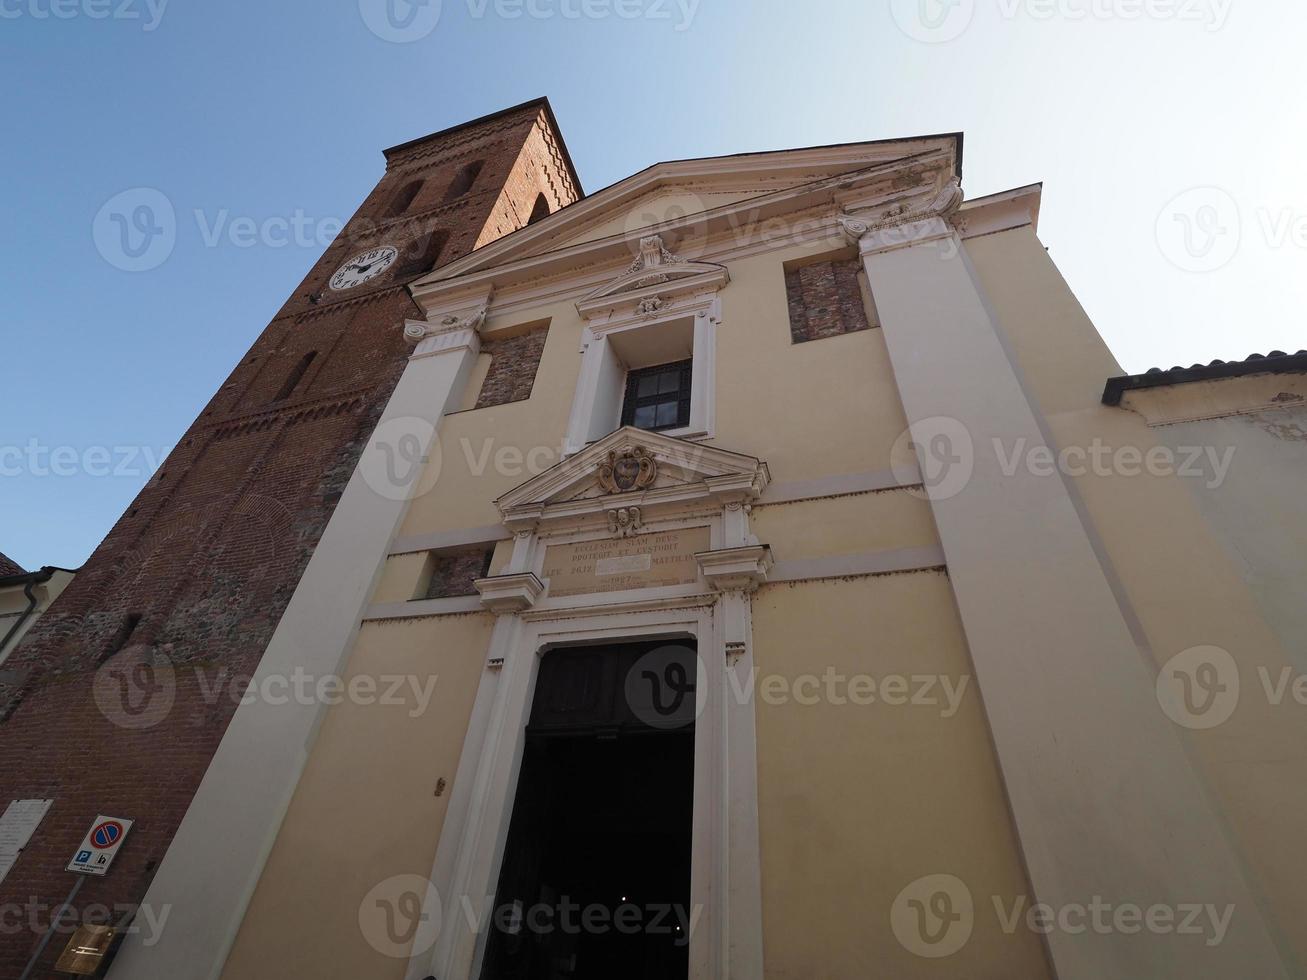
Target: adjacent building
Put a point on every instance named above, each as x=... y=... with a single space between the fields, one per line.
x=24 y=596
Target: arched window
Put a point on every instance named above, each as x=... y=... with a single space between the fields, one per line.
x=463 y=181
x=540 y=210
x=423 y=253
x=405 y=198
x=295 y=377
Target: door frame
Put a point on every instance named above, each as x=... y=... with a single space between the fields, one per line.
x=724 y=879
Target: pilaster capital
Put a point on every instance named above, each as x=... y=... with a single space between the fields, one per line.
x=443 y=338
x=906 y=223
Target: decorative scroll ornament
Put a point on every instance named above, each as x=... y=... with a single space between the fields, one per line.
x=416 y=331
x=650 y=306
x=944 y=204
x=632 y=469
x=624 y=521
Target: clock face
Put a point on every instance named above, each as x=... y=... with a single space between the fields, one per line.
x=364 y=266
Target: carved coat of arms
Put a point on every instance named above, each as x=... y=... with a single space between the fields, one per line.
x=632 y=469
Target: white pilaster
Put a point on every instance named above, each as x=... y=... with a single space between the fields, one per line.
x=211 y=869
x=1105 y=801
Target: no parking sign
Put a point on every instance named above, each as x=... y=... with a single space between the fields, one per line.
x=99 y=846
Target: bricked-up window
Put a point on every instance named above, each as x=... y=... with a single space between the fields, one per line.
x=295 y=377
x=658 y=398
x=405 y=198
x=453 y=572
x=463 y=180
x=540 y=210
x=514 y=362
x=826 y=299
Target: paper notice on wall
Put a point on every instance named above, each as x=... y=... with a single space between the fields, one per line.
x=17 y=825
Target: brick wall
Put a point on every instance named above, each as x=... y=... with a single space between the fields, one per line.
x=825 y=299
x=207 y=556
x=513 y=365
x=453 y=572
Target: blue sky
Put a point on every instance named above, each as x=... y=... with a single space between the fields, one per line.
x=1169 y=135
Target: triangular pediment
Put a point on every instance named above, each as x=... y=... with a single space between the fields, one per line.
x=692 y=198
x=649 y=465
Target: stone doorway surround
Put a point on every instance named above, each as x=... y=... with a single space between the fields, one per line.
x=692 y=487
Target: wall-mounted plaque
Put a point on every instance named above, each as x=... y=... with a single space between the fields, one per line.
x=643 y=561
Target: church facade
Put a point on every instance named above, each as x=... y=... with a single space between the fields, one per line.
x=753 y=572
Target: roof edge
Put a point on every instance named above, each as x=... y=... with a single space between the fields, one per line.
x=1277 y=362
x=541 y=102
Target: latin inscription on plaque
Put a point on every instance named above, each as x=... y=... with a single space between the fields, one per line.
x=614 y=564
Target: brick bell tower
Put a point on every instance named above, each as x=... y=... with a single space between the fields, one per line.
x=204 y=562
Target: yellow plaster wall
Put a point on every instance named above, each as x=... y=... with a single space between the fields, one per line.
x=880 y=521
x=823 y=408
x=1184 y=587
x=858 y=800
x=365 y=808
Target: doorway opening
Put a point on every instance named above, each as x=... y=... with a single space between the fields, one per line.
x=595 y=882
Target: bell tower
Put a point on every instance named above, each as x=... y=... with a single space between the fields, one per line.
x=116 y=701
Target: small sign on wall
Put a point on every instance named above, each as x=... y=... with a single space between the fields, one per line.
x=17 y=825
x=100 y=845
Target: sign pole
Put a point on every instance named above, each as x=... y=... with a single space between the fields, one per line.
x=54 y=923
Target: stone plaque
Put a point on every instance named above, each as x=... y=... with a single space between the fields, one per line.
x=614 y=564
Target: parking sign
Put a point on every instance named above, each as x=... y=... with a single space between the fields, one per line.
x=98 y=847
